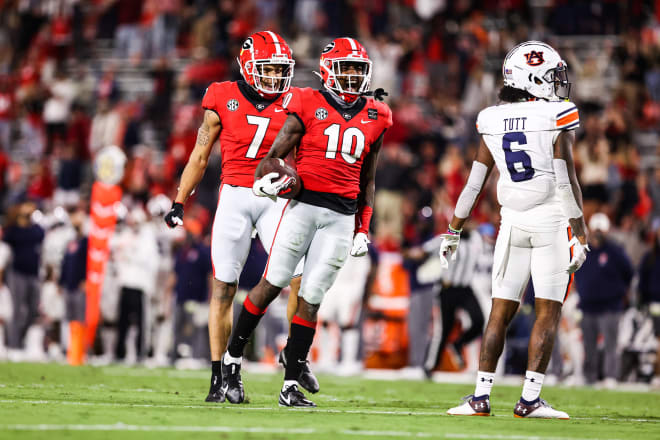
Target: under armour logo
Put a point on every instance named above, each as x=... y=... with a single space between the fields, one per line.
x=530 y=379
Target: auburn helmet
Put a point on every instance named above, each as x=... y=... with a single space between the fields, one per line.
x=345 y=68
x=536 y=67
x=261 y=49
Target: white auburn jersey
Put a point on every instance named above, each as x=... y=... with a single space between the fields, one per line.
x=521 y=138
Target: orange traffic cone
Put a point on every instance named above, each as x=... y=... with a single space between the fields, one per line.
x=76 y=352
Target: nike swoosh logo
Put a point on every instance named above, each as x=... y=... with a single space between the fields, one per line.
x=365 y=122
x=302 y=361
x=277 y=110
x=286 y=400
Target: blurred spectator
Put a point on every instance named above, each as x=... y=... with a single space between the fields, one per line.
x=6 y=307
x=649 y=289
x=654 y=190
x=593 y=158
x=25 y=239
x=57 y=108
x=72 y=281
x=422 y=263
x=129 y=38
x=6 y=113
x=135 y=252
x=603 y=283
x=106 y=127
x=192 y=268
x=164 y=32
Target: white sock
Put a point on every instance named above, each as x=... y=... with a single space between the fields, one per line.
x=484 y=383
x=288 y=383
x=229 y=359
x=533 y=384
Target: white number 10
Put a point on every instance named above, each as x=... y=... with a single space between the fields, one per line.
x=347 y=143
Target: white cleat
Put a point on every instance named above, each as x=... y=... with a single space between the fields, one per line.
x=471 y=407
x=539 y=409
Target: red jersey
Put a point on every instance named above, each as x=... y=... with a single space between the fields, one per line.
x=249 y=126
x=336 y=140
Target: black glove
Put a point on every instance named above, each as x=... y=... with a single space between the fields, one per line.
x=175 y=216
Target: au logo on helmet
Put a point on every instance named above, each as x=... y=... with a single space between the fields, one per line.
x=534 y=58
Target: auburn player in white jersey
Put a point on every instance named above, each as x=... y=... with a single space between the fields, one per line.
x=529 y=136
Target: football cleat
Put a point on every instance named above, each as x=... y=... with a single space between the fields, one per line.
x=306 y=379
x=292 y=396
x=216 y=394
x=539 y=409
x=232 y=385
x=471 y=407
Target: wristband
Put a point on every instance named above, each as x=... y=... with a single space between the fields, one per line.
x=363 y=219
x=453 y=231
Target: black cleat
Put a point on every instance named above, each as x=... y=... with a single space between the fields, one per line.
x=215 y=392
x=232 y=385
x=292 y=396
x=306 y=379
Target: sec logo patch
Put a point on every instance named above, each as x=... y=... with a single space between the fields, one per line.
x=321 y=113
x=232 y=105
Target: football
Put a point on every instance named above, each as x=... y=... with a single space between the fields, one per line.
x=279 y=166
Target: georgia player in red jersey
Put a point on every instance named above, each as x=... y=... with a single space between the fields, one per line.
x=246 y=116
x=338 y=133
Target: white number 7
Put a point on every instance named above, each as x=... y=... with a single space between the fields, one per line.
x=259 y=135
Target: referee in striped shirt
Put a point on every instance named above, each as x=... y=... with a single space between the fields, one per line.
x=456 y=293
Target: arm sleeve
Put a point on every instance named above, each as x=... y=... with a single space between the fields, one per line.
x=471 y=191
x=565 y=190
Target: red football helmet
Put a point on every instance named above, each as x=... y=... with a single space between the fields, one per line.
x=266 y=48
x=345 y=68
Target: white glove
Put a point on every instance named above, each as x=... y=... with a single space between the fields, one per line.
x=360 y=242
x=449 y=246
x=579 y=254
x=267 y=187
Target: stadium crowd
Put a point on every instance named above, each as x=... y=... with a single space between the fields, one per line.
x=77 y=76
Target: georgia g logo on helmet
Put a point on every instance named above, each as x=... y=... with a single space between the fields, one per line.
x=247 y=44
x=534 y=58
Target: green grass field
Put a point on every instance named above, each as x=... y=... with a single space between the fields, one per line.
x=46 y=401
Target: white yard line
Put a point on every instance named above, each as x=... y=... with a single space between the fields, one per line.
x=267 y=408
x=265 y=430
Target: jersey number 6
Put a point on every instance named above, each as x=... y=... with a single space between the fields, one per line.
x=517 y=157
